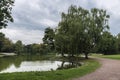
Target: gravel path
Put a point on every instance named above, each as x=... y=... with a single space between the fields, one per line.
x=110 y=70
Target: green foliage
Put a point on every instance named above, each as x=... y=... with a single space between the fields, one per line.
x=118 y=42
x=5 y=12
x=18 y=47
x=36 y=49
x=48 y=38
x=108 y=44
x=2 y=37
x=89 y=66
x=5 y=44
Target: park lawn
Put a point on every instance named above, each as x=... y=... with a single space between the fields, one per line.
x=1 y=55
x=117 y=56
x=68 y=74
x=112 y=56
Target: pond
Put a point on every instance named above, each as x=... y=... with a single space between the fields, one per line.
x=25 y=63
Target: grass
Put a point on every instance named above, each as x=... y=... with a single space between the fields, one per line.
x=68 y=74
x=1 y=55
x=117 y=57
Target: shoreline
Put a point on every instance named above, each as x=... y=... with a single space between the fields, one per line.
x=7 y=54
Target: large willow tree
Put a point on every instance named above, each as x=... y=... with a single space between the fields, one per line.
x=80 y=30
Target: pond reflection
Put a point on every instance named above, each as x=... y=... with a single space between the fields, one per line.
x=69 y=65
x=23 y=63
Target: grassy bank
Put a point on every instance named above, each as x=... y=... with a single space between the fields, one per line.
x=107 y=56
x=89 y=66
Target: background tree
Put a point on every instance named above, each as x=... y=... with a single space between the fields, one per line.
x=2 y=37
x=48 y=38
x=118 y=42
x=19 y=47
x=35 y=49
x=7 y=46
x=107 y=44
x=5 y=12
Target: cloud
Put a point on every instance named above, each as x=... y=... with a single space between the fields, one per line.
x=31 y=17
x=48 y=22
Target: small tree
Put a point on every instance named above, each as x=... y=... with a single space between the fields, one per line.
x=48 y=38
x=19 y=47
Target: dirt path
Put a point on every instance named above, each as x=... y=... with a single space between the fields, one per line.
x=110 y=70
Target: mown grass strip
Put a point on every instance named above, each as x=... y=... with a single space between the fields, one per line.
x=117 y=57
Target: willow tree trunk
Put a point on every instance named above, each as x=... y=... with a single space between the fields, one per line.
x=62 y=54
x=86 y=55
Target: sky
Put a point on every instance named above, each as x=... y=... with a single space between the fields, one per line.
x=31 y=17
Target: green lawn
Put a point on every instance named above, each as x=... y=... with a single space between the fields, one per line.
x=1 y=55
x=107 y=56
x=112 y=56
x=89 y=66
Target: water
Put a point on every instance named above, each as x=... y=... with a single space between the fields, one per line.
x=23 y=64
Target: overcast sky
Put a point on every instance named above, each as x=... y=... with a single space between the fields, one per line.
x=31 y=17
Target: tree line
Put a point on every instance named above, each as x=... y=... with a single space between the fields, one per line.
x=19 y=48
